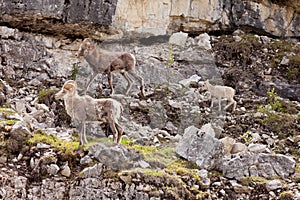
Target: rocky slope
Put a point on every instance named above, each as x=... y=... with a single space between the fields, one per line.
x=175 y=146
x=250 y=153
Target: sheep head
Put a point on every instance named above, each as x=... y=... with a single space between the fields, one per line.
x=86 y=46
x=203 y=85
x=69 y=88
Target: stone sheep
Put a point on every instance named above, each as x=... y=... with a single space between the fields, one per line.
x=85 y=108
x=106 y=62
x=219 y=92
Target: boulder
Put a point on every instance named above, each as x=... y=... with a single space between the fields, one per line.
x=228 y=144
x=256 y=164
x=178 y=38
x=257 y=148
x=238 y=147
x=203 y=41
x=114 y=156
x=273 y=185
x=200 y=146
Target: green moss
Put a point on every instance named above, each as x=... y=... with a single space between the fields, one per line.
x=203 y=195
x=295 y=59
x=65 y=147
x=7 y=111
x=127 y=142
x=256 y=179
x=286 y=195
x=297 y=168
x=144 y=149
x=45 y=94
x=8 y=122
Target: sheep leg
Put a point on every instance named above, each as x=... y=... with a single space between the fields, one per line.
x=219 y=99
x=141 y=80
x=84 y=134
x=234 y=106
x=81 y=133
x=109 y=78
x=212 y=103
x=92 y=77
x=112 y=125
x=129 y=81
x=231 y=101
x=120 y=132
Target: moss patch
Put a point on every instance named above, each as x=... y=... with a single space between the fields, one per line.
x=64 y=147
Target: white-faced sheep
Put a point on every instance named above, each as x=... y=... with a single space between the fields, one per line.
x=106 y=62
x=219 y=92
x=85 y=108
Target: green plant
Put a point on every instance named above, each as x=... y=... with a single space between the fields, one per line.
x=45 y=96
x=74 y=71
x=273 y=103
x=246 y=137
x=275 y=117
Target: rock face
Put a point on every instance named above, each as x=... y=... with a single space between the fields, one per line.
x=51 y=16
x=97 y=18
x=256 y=164
x=116 y=157
x=200 y=146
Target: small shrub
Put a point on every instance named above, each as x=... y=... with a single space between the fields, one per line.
x=74 y=71
x=47 y=96
x=275 y=119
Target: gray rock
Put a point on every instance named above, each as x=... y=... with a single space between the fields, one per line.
x=52 y=169
x=93 y=171
x=86 y=160
x=178 y=38
x=256 y=164
x=199 y=146
x=228 y=144
x=203 y=173
x=43 y=146
x=3 y=159
x=257 y=148
x=273 y=185
x=66 y=171
x=20 y=182
x=114 y=156
x=143 y=164
x=282 y=165
x=238 y=147
x=203 y=41
x=187 y=82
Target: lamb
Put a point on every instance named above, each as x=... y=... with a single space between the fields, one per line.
x=105 y=62
x=85 y=108
x=220 y=92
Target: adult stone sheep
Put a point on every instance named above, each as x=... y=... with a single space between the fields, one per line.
x=219 y=92
x=85 y=108
x=106 y=62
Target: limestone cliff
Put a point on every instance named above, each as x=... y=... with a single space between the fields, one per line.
x=115 y=17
